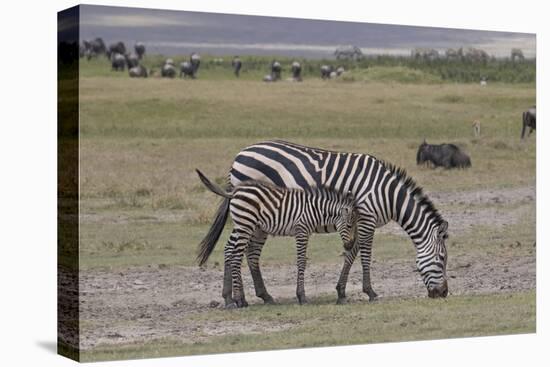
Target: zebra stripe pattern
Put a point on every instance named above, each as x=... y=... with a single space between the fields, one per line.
x=383 y=193
x=259 y=209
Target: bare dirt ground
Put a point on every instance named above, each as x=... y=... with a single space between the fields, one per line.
x=150 y=302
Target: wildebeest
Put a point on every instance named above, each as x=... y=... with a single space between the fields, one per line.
x=276 y=70
x=296 y=71
x=118 y=62
x=325 y=71
x=186 y=70
x=132 y=60
x=529 y=121
x=117 y=47
x=195 y=63
x=442 y=155
x=168 y=70
x=94 y=47
x=138 y=71
x=236 y=64
x=140 y=49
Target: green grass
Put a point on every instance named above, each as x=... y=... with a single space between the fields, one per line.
x=324 y=324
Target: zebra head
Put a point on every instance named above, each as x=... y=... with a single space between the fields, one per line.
x=431 y=261
x=346 y=221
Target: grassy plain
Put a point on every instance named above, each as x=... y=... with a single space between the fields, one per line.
x=141 y=202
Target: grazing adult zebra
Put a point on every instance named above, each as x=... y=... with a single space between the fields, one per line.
x=258 y=209
x=382 y=192
x=529 y=121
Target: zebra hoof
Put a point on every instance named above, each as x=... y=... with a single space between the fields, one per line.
x=231 y=306
x=241 y=303
x=373 y=298
x=341 y=301
x=302 y=300
x=268 y=300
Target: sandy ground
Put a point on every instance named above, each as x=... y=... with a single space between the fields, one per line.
x=150 y=302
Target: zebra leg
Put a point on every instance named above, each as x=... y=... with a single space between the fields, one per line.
x=365 y=230
x=236 y=261
x=253 y=253
x=227 y=292
x=343 y=280
x=301 y=247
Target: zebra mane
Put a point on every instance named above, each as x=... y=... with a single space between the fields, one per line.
x=415 y=190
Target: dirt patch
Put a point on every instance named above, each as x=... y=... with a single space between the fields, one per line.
x=143 y=303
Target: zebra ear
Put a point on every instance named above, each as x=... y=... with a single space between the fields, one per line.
x=442 y=230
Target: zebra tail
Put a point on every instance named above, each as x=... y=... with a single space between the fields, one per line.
x=208 y=243
x=213 y=187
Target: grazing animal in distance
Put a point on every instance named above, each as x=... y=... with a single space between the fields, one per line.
x=168 y=70
x=276 y=70
x=132 y=60
x=186 y=70
x=264 y=209
x=296 y=71
x=195 y=60
x=326 y=70
x=237 y=65
x=138 y=72
x=383 y=193
x=476 y=126
x=116 y=48
x=442 y=155
x=139 y=48
x=529 y=121
x=118 y=62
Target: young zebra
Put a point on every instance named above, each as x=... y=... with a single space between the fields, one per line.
x=258 y=209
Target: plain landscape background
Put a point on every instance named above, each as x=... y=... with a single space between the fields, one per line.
x=31 y=199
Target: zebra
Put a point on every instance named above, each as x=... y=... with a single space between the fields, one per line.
x=383 y=192
x=258 y=209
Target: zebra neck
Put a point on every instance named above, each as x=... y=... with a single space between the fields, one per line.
x=415 y=215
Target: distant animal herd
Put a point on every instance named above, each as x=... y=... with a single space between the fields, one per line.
x=445 y=155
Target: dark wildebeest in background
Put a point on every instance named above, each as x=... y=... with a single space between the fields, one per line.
x=117 y=47
x=326 y=70
x=186 y=70
x=140 y=50
x=442 y=155
x=94 y=47
x=296 y=71
x=195 y=63
x=132 y=60
x=276 y=70
x=237 y=65
x=168 y=70
x=118 y=62
x=529 y=121
x=138 y=71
